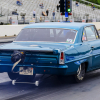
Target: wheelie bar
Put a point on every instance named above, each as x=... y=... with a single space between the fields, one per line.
x=36 y=82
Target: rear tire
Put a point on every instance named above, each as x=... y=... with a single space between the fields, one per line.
x=13 y=76
x=31 y=78
x=79 y=77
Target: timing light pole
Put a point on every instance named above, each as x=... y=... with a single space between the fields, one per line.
x=65 y=7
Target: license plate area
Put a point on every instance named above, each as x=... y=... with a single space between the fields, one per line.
x=28 y=71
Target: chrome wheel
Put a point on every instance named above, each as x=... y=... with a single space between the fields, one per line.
x=80 y=73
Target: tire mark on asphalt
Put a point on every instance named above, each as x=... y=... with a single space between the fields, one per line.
x=45 y=91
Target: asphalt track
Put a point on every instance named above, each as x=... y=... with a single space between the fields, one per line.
x=52 y=88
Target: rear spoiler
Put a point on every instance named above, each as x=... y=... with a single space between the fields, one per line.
x=39 y=51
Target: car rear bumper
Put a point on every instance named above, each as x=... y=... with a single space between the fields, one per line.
x=68 y=69
x=56 y=70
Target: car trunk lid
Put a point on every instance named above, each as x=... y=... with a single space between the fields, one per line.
x=36 y=54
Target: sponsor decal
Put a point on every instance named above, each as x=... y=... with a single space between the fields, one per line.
x=69 y=40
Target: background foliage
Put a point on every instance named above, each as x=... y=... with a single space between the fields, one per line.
x=95 y=1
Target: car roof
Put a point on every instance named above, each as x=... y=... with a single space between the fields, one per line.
x=65 y=25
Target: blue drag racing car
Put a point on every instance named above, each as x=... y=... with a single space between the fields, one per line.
x=52 y=48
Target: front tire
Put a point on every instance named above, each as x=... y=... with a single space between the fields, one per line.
x=79 y=77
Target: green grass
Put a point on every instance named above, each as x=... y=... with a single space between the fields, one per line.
x=94 y=1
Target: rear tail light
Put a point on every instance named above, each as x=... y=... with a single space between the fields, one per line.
x=62 y=58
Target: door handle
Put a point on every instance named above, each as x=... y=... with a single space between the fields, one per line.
x=92 y=47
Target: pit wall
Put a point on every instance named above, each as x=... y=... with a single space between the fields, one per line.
x=97 y=24
x=10 y=30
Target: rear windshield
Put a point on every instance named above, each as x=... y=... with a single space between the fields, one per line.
x=47 y=35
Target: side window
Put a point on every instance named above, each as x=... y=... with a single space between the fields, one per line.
x=94 y=30
x=84 y=38
x=90 y=34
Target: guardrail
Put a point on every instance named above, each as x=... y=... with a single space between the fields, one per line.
x=5 y=19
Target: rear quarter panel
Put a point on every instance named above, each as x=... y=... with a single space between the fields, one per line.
x=78 y=53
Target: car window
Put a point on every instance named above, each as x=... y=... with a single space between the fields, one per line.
x=94 y=30
x=90 y=34
x=47 y=34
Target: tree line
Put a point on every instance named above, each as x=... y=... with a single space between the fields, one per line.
x=95 y=1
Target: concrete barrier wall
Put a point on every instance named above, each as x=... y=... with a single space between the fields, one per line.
x=97 y=24
x=10 y=30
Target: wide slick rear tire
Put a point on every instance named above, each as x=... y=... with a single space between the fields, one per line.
x=13 y=76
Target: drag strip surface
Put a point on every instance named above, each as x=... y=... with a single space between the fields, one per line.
x=52 y=88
